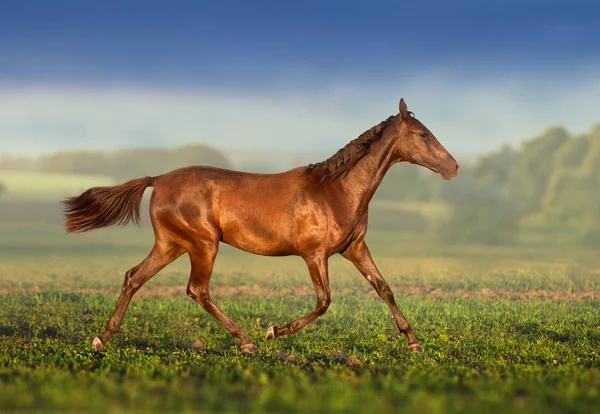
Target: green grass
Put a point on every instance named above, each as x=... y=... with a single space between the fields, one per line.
x=508 y=329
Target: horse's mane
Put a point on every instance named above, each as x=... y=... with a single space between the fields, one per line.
x=342 y=161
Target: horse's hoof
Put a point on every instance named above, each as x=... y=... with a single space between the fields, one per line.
x=97 y=344
x=249 y=348
x=271 y=333
x=416 y=348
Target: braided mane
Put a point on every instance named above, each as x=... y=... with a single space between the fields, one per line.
x=342 y=161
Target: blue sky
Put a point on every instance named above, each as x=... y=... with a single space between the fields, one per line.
x=330 y=70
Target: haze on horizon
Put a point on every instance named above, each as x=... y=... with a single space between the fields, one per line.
x=291 y=77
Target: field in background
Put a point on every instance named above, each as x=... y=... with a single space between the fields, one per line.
x=504 y=329
x=34 y=186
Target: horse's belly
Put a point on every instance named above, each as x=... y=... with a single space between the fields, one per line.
x=264 y=240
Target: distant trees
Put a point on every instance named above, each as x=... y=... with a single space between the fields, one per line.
x=481 y=210
x=497 y=168
x=16 y=163
x=554 y=177
x=573 y=191
x=75 y=162
x=535 y=164
x=133 y=162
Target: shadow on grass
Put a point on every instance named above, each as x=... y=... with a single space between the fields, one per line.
x=7 y=330
x=534 y=329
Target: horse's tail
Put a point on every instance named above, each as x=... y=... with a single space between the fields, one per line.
x=105 y=206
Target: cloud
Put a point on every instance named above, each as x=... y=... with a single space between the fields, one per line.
x=467 y=115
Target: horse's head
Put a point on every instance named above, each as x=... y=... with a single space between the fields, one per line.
x=416 y=144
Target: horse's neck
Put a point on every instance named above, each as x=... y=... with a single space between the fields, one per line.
x=361 y=182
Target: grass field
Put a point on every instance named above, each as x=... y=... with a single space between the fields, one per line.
x=505 y=329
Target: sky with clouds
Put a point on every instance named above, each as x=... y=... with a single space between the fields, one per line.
x=305 y=75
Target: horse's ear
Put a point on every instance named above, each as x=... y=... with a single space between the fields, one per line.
x=403 y=109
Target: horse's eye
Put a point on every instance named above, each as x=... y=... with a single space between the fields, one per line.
x=423 y=134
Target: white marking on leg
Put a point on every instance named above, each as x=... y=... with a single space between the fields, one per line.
x=97 y=344
x=270 y=333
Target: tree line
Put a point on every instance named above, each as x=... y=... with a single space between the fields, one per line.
x=123 y=164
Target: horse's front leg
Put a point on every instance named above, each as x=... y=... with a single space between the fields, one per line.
x=358 y=253
x=317 y=266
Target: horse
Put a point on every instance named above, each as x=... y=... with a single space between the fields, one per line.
x=313 y=211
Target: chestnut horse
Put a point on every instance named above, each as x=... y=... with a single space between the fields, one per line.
x=313 y=212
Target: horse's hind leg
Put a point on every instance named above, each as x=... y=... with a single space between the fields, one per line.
x=161 y=255
x=202 y=258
